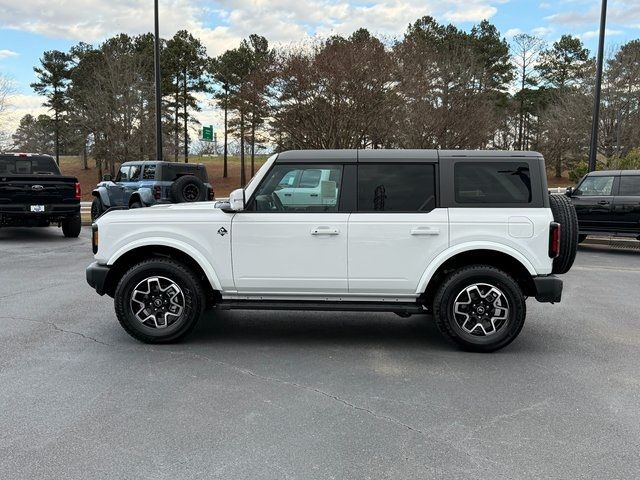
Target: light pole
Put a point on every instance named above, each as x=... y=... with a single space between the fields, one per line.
x=593 y=148
x=156 y=58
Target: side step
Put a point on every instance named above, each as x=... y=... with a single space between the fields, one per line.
x=405 y=308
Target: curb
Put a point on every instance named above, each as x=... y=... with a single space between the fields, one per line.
x=614 y=242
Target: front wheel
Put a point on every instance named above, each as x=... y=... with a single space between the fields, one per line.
x=479 y=308
x=159 y=301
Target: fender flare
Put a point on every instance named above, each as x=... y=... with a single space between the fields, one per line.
x=184 y=247
x=103 y=195
x=145 y=195
x=440 y=259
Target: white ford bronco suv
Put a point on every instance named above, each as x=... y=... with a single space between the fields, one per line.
x=465 y=236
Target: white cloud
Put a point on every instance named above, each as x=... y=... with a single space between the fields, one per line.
x=222 y=24
x=594 y=33
x=8 y=53
x=512 y=32
x=20 y=105
x=542 y=31
x=623 y=12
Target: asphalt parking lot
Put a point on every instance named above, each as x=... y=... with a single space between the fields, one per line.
x=278 y=395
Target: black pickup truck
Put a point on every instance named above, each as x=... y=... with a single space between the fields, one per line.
x=33 y=193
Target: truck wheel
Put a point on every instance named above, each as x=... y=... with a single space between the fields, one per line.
x=479 y=308
x=565 y=214
x=135 y=205
x=159 y=301
x=188 y=188
x=71 y=227
x=97 y=208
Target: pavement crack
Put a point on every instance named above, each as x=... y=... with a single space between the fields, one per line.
x=302 y=387
x=55 y=326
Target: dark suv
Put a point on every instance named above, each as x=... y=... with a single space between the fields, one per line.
x=608 y=202
x=142 y=184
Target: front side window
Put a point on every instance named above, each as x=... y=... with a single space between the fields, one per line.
x=492 y=182
x=595 y=186
x=299 y=188
x=395 y=187
x=123 y=174
x=630 y=185
x=134 y=173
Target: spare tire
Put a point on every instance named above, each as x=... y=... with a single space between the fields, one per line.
x=188 y=189
x=565 y=214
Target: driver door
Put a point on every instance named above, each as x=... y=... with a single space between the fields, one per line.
x=282 y=245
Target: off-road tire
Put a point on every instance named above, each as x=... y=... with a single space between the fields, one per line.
x=135 y=205
x=188 y=188
x=194 y=300
x=565 y=214
x=71 y=226
x=455 y=283
x=97 y=208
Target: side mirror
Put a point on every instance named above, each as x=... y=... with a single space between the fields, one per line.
x=106 y=177
x=569 y=191
x=236 y=200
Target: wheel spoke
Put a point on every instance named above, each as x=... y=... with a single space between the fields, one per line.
x=481 y=309
x=157 y=302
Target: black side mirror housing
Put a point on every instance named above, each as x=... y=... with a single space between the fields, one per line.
x=569 y=191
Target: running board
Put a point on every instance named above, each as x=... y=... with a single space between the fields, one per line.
x=409 y=308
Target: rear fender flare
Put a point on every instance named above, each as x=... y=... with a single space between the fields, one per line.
x=144 y=195
x=437 y=262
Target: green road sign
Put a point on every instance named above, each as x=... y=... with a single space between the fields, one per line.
x=207 y=133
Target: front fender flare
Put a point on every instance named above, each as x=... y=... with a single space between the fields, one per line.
x=466 y=247
x=184 y=247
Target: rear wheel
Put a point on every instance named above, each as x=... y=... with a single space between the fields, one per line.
x=159 y=301
x=479 y=308
x=135 y=205
x=71 y=227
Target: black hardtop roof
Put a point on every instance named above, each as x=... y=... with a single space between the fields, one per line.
x=606 y=173
x=399 y=155
x=162 y=162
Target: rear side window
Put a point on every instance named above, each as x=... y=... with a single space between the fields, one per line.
x=630 y=185
x=395 y=187
x=149 y=172
x=492 y=182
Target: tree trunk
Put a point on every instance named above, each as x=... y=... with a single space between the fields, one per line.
x=521 y=125
x=242 y=176
x=226 y=108
x=176 y=128
x=186 y=117
x=85 y=164
x=57 y=127
x=253 y=144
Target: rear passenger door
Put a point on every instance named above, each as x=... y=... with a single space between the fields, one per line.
x=396 y=229
x=626 y=204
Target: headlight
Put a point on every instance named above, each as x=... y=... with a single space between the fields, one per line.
x=94 y=238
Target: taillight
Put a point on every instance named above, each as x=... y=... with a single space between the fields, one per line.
x=554 y=240
x=157 y=192
x=95 y=239
x=78 y=191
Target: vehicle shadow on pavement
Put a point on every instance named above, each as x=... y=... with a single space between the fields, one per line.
x=318 y=329
x=36 y=234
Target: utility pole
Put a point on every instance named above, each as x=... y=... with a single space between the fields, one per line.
x=593 y=148
x=156 y=45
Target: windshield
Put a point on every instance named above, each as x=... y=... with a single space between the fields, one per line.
x=12 y=165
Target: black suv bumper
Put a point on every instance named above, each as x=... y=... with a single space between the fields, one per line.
x=548 y=289
x=97 y=276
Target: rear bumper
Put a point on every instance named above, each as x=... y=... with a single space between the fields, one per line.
x=97 y=276
x=548 y=289
x=20 y=215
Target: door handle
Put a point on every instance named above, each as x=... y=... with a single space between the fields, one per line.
x=603 y=202
x=313 y=195
x=287 y=194
x=325 y=231
x=425 y=231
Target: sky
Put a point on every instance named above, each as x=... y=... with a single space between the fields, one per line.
x=29 y=27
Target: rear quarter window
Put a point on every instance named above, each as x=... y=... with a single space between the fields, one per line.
x=630 y=186
x=492 y=183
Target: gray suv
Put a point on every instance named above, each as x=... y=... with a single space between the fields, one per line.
x=142 y=184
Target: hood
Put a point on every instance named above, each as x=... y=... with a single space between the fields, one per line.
x=172 y=212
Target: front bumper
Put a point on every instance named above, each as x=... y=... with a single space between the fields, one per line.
x=548 y=289
x=97 y=276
